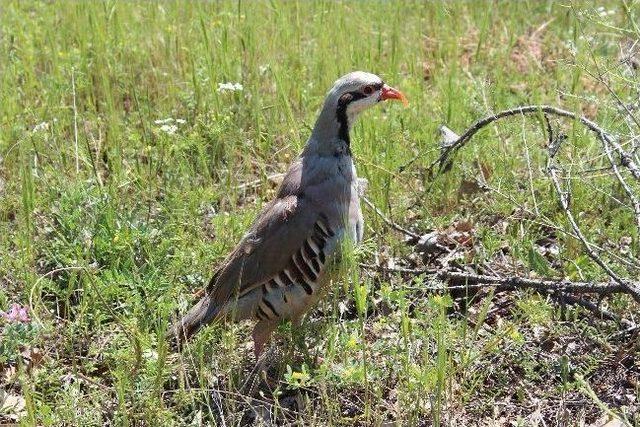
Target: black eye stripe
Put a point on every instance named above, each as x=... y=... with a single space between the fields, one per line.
x=349 y=97
x=341 y=112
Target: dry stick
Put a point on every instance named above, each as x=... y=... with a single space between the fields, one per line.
x=626 y=161
x=555 y=288
x=547 y=223
x=601 y=79
x=558 y=289
x=506 y=283
x=388 y=221
x=627 y=189
x=595 y=309
x=628 y=287
x=625 y=158
x=552 y=150
x=538 y=284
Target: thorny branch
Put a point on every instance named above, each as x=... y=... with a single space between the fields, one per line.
x=607 y=140
x=625 y=185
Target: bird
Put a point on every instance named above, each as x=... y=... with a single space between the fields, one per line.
x=282 y=264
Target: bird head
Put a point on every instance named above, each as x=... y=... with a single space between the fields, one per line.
x=355 y=92
x=350 y=95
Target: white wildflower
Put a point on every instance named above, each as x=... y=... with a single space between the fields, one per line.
x=169 y=120
x=167 y=126
x=603 y=12
x=169 y=129
x=571 y=47
x=44 y=126
x=263 y=69
x=150 y=354
x=229 y=87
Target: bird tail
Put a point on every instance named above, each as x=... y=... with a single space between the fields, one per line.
x=204 y=312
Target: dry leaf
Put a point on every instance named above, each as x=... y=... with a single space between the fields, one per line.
x=12 y=405
x=590 y=110
x=527 y=51
x=468 y=187
x=426 y=71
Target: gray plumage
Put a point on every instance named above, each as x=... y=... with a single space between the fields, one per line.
x=277 y=270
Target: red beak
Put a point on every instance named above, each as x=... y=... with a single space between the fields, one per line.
x=390 y=93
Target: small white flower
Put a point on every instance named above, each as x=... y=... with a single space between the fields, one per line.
x=571 y=47
x=150 y=354
x=230 y=87
x=163 y=121
x=44 y=126
x=603 y=12
x=181 y=121
x=169 y=129
x=263 y=69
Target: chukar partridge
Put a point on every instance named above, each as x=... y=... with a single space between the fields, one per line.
x=277 y=270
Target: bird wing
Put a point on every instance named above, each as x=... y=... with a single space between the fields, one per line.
x=279 y=232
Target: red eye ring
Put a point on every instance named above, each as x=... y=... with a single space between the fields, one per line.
x=367 y=90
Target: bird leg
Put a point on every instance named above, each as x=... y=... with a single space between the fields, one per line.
x=261 y=334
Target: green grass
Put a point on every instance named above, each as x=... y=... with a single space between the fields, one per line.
x=109 y=225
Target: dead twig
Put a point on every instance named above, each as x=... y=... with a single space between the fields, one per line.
x=624 y=184
x=593 y=308
x=562 y=290
x=464 y=280
x=626 y=158
x=388 y=221
x=450 y=144
x=600 y=288
x=564 y=196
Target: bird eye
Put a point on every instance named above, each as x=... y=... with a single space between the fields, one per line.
x=367 y=90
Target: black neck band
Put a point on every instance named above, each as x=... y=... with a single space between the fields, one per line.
x=341 y=114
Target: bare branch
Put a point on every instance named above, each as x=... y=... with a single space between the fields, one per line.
x=627 y=189
x=626 y=159
x=607 y=140
x=601 y=288
x=464 y=280
x=629 y=287
x=388 y=221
